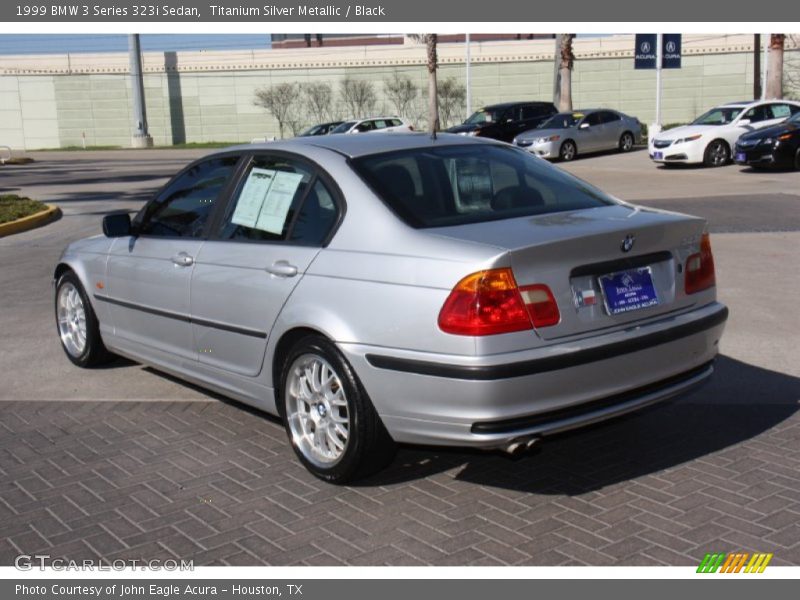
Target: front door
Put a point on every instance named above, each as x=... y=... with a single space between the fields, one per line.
x=272 y=228
x=149 y=273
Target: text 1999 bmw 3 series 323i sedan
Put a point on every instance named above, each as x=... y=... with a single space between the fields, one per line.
x=381 y=289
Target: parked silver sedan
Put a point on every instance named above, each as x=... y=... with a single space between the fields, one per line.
x=378 y=289
x=564 y=135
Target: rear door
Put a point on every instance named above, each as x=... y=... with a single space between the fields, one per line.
x=612 y=130
x=277 y=219
x=149 y=273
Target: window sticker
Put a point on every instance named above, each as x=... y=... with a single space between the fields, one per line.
x=265 y=199
x=252 y=197
x=278 y=201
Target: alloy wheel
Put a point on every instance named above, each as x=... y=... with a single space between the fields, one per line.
x=71 y=319
x=317 y=410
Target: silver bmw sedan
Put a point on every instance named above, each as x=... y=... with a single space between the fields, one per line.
x=398 y=289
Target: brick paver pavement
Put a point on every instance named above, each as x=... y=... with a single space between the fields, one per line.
x=216 y=482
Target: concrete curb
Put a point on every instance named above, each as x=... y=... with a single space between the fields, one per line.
x=51 y=213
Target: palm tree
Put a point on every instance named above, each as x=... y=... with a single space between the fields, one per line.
x=430 y=40
x=775 y=66
x=565 y=72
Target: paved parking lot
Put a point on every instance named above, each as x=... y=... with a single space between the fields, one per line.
x=124 y=462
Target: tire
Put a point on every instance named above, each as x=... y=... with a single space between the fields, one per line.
x=77 y=325
x=320 y=392
x=568 y=151
x=717 y=154
x=626 y=142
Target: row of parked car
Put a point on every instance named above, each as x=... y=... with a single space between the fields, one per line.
x=755 y=133
x=759 y=134
x=536 y=126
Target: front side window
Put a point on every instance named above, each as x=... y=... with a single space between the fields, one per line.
x=457 y=185
x=610 y=117
x=279 y=199
x=757 y=114
x=184 y=206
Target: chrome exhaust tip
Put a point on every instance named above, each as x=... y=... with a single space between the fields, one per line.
x=517 y=446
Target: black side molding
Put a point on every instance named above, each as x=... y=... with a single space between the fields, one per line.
x=181 y=317
x=553 y=363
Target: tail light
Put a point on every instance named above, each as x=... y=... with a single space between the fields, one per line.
x=700 y=273
x=489 y=302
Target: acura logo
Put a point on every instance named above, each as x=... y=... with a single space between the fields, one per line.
x=645 y=47
x=627 y=243
x=671 y=47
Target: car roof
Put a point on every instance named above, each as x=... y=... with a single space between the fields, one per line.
x=502 y=105
x=362 y=145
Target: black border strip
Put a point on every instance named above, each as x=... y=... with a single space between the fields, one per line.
x=552 y=363
x=621 y=264
x=185 y=318
x=586 y=408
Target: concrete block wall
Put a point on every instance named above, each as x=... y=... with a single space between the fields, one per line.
x=52 y=102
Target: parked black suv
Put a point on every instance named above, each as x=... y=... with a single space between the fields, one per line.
x=504 y=121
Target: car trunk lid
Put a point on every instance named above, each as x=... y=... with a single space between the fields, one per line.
x=577 y=253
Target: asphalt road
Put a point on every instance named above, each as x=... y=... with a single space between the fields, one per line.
x=124 y=462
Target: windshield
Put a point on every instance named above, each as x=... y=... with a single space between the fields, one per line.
x=456 y=185
x=484 y=116
x=562 y=121
x=721 y=115
x=313 y=130
x=344 y=127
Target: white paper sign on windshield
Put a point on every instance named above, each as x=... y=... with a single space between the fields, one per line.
x=252 y=197
x=278 y=201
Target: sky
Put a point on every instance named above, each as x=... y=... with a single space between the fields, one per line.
x=75 y=43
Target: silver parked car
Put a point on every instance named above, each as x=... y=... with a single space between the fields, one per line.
x=564 y=135
x=380 y=289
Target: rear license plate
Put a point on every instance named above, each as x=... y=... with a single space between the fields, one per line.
x=628 y=290
x=740 y=157
x=658 y=155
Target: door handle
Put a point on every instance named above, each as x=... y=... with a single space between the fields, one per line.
x=282 y=268
x=181 y=259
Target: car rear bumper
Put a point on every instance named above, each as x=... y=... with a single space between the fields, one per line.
x=491 y=401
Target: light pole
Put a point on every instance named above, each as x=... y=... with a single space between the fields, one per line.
x=140 y=138
x=469 y=82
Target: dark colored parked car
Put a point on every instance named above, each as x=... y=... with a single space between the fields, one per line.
x=321 y=129
x=776 y=146
x=505 y=121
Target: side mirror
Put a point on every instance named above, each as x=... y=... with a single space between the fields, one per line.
x=583 y=126
x=744 y=122
x=117 y=225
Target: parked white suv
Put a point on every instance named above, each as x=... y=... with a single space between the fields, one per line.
x=374 y=124
x=711 y=137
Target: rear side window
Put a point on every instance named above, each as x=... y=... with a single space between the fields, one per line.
x=456 y=185
x=610 y=117
x=780 y=111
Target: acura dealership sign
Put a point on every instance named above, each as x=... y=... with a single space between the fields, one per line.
x=646 y=48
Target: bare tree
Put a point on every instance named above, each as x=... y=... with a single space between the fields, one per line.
x=401 y=92
x=281 y=102
x=566 y=64
x=431 y=41
x=791 y=70
x=775 y=67
x=452 y=99
x=318 y=98
x=358 y=96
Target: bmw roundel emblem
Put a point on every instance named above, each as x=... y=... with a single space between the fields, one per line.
x=627 y=243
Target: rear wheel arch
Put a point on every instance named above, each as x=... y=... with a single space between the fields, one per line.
x=622 y=137
x=287 y=340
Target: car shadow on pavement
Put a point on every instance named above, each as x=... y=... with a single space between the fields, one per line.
x=741 y=402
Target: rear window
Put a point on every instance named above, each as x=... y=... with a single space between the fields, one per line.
x=456 y=185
